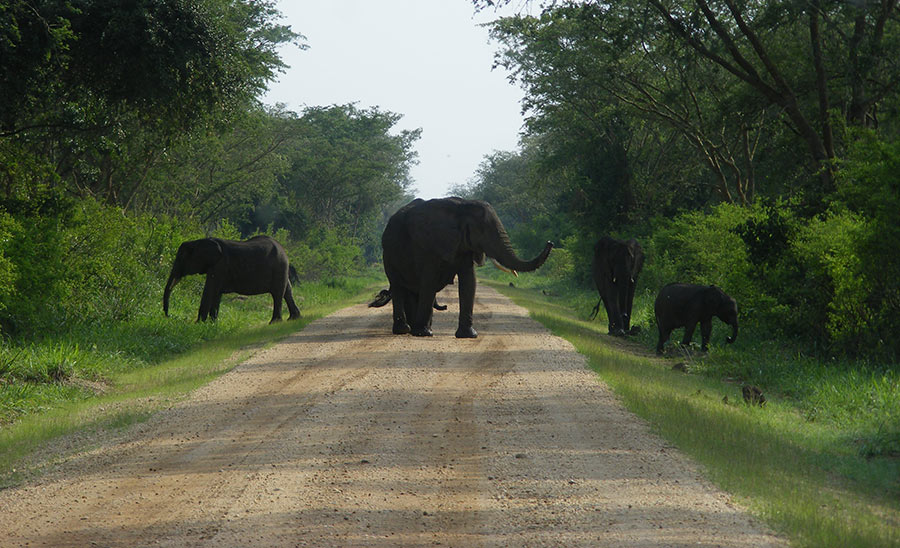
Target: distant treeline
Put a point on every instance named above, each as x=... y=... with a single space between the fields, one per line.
x=126 y=128
x=750 y=145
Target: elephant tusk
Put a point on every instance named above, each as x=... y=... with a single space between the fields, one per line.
x=503 y=268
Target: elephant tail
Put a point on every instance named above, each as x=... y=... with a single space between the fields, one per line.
x=384 y=297
x=292 y=274
x=596 y=310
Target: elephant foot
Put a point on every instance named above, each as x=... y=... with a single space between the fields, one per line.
x=422 y=332
x=296 y=316
x=400 y=328
x=617 y=332
x=466 y=333
x=635 y=330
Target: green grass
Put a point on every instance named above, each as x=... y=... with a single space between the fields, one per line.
x=809 y=476
x=104 y=377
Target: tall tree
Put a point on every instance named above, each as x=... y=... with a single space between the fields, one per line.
x=344 y=165
x=100 y=89
x=719 y=71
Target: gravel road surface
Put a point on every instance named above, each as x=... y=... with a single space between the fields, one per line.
x=346 y=435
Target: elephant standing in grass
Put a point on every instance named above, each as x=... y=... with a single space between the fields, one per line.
x=615 y=269
x=252 y=267
x=685 y=305
x=427 y=243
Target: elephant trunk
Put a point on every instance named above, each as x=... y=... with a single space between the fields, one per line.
x=173 y=280
x=734 y=332
x=501 y=249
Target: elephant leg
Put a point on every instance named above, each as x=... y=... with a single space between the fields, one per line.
x=610 y=299
x=423 y=310
x=705 y=332
x=276 y=306
x=214 y=310
x=688 y=333
x=292 y=306
x=400 y=298
x=664 y=333
x=467 y=285
x=421 y=324
x=615 y=315
x=208 y=300
x=607 y=305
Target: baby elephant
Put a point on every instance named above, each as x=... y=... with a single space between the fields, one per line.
x=683 y=305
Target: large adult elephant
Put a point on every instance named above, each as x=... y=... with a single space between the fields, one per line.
x=252 y=267
x=615 y=269
x=427 y=243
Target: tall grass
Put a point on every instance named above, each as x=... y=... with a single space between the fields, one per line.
x=808 y=476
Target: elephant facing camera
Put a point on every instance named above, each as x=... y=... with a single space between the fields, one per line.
x=428 y=243
x=686 y=305
x=252 y=267
x=615 y=269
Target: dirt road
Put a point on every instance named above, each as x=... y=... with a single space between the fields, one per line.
x=345 y=435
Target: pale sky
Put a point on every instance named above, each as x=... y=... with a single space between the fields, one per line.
x=428 y=60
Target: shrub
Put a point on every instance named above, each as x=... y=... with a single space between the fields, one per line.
x=832 y=295
x=8 y=228
x=705 y=248
x=559 y=266
x=325 y=253
x=868 y=185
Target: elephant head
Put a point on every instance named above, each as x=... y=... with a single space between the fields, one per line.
x=617 y=264
x=724 y=307
x=194 y=257
x=481 y=232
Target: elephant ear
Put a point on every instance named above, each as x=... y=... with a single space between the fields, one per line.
x=477 y=253
x=712 y=297
x=206 y=254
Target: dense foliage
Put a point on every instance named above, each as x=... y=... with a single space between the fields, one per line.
x=128 y=127
x=748 y=144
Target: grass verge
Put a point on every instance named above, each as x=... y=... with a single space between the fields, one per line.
x=806 y=478
x=131 y=370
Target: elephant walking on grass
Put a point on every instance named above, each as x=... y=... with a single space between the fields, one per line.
x=427 y=243
x=685 y=305
x=252 y=267
x=615 y=269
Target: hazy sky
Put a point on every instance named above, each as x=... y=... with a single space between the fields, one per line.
x=428 y=60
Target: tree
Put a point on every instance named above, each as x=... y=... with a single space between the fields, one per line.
x=720 y=71
x=100 y=89
x=344 y=165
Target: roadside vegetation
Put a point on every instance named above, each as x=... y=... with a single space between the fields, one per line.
x=810 y=462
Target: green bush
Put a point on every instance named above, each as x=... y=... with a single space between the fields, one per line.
x=869 y=186
x=560 y=265
x=36 y=252
x=8 y=228
x=705 y=248
x=325 y=253
x=832 y=294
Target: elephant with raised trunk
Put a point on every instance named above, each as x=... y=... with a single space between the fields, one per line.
x=615 y=269
x=427 y=243
x=685 y=305
x=252 y=267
